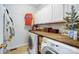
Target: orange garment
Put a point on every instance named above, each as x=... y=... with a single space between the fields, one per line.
x=28 y=19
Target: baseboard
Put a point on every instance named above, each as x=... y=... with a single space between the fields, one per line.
x=16 y=46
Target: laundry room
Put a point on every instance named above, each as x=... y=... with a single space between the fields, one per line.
x=39 y=28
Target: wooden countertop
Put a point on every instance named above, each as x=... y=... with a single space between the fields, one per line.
x=58 y=37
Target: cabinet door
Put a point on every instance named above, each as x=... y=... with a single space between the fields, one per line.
x=50 y=13
x=44 y=15
x=77 y=8
x=57 y=12
x=67 y=8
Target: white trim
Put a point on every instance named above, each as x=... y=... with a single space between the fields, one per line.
x=16 y=46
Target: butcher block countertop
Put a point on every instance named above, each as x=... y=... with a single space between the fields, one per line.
x=58 y=37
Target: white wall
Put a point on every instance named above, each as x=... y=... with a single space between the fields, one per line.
x=1 y=27
x=1 y=24
x=17 y=13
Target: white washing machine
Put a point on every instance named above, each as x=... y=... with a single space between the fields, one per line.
x=33 y=43
x=50 y=46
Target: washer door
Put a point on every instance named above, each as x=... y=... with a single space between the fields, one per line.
x=48 y=50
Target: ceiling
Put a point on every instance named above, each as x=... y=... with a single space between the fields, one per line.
x=38 y=6
x=35 y=5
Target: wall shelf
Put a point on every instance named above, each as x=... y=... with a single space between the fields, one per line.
x=55 y=22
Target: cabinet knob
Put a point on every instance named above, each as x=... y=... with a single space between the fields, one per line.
x=57 y=46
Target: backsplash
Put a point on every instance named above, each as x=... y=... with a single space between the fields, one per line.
x=60 y=26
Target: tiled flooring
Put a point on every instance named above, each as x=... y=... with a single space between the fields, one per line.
x=19 y=50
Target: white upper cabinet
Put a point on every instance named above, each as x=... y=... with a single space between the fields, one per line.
x=49 y=14
x=57 y=12
x=77 y=8
x=44 y=15
x=67 y=8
